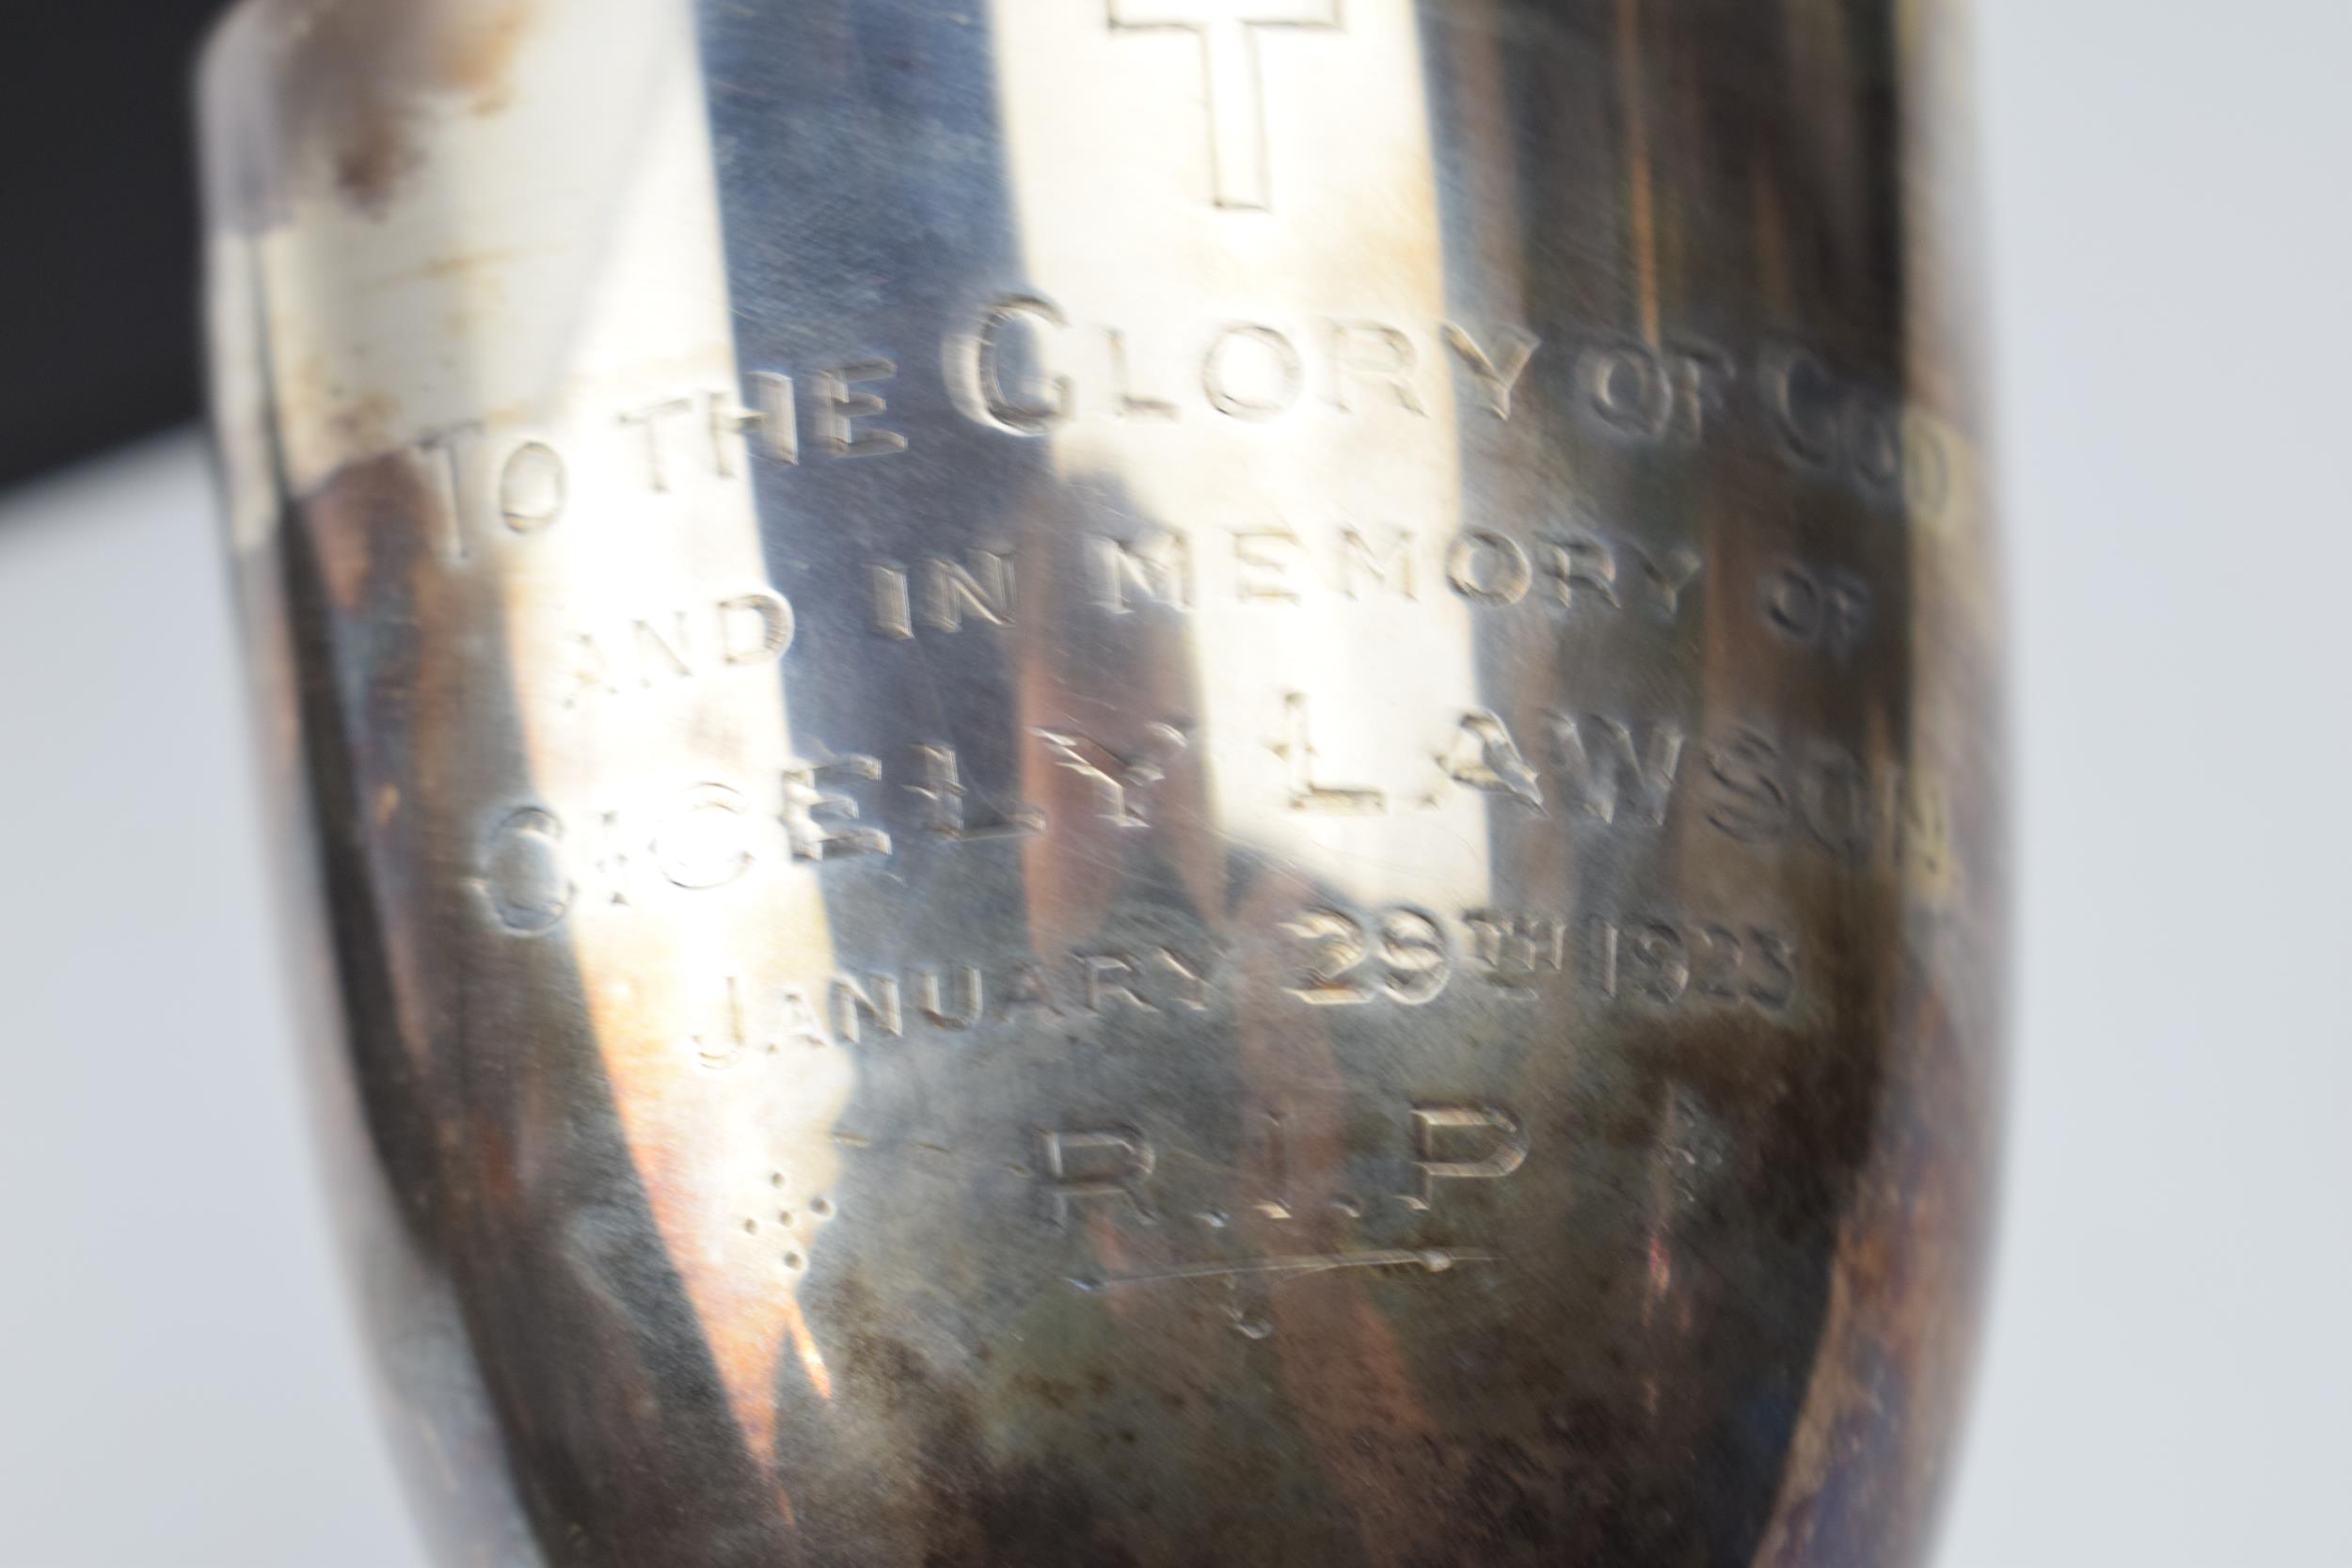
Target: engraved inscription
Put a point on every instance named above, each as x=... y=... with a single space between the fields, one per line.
x=952 y=810
x=747 y=629
x=822 y=822
x=1297 y=749
x=699 y=842
x=1126 y=781
x=1823 y=608
x=1387 y=567
x=1824 y=423
x=1024 y=366
x=1117 y=1169
x=941 y=594
x=846 y=410
x=1484 y=756
x=1647 y=393
x=1515 y=951
x=651 y=421
x=1603 y=760
x=529 y=485
x=876 y=1004
x=523 y=876
x=976 y=371
x=1251 y=372
x=1497 y=369
x=701 y=432
x=1400 y=956
x=1744 y=782
x=1463 y=1143
x=1157 y=569
x=1578 y=571
x=1234 y=77
x=1669 y=964
x=1096 y=1164
x=1370 y=357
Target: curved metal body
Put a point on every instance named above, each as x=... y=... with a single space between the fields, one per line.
x=1146 y=782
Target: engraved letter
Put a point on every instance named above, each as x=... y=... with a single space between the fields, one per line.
x=1600 y=753
x=1628 y=388
x=1159 y=568
x=754 y=629
x=1505 y=1147
x=1484 y=756
x=531 y=487
x=1394 y=566
x=693 y=850
x=1578 y=560
x=839 y=407
x=894 y=600
x=800 y=1021
x=1488 y=568
x=978 y=373
x=1748 y=767
x=1833 y=801
x=720 y=1051
x=1827 y=609
x=1874 y=442
x=592 y=674
x=1807 y=429
x=449 y=444
x=1515 y=950
x=1700 y=374
x=729 y=420
x=523 y=874
x=1496 y=380
x=1128 y=405
x=929 y=1001
x=1232 y=84
x=650 y=416
x=1106 y=1163
x=1111 y=975
x=1028 y=986
x=1376 y=353
x=1262 y=563
x=1122 y=777
x=1297 y=748
x=1191 y=973
x=612 y=861
x=1272 y=395
x=852 y=1003
x=653 y=649
x=982 y=590
x=779 y=415
x=948 y=816
x=815 y=838
x=1672 y=577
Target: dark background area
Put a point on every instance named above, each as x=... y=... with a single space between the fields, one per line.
x=98 y=256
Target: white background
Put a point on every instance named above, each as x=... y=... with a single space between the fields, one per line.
x=2168 y=1381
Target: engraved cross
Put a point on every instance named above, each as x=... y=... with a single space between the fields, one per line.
x=1228 y=30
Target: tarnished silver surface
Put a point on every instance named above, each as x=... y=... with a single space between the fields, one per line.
x=1129 y=782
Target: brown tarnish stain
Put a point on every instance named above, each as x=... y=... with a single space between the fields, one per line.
x=358 y=76
x=458 y=267
x=368 y=424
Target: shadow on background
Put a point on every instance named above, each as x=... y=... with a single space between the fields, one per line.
x=98 y=260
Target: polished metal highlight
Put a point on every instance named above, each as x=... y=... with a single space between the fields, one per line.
x=1131 y=782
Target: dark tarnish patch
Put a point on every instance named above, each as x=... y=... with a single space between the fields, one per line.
x=948 y=1505
x=347 y=82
